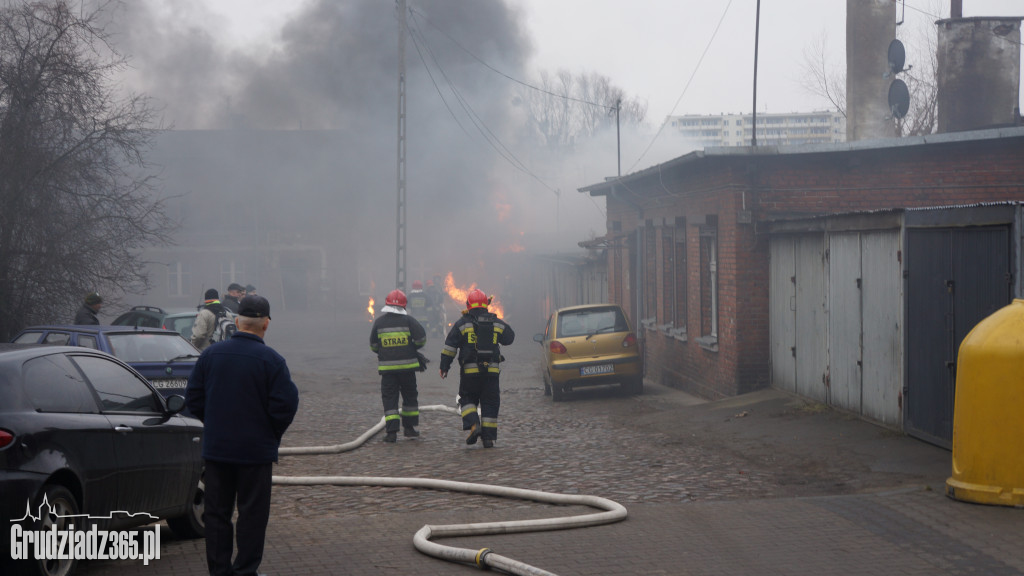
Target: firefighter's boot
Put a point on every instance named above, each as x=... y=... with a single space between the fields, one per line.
x=474 y=434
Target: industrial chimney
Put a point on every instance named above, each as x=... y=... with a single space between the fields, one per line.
x=870 y=27
x=978 y=72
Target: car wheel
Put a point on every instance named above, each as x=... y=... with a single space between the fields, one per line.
x=191 y=524
x=633 y=386
x=557 y=393
x=63 y=509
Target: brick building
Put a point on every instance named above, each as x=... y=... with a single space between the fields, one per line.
x=691 y=242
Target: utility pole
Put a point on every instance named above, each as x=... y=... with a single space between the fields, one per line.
x=618 y=138
x=400 y=252
x=757 y=34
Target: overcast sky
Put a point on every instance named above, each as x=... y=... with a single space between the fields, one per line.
x=652 y=48
x=332 y=65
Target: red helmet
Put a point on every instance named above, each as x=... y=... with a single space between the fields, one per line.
x=417 y=285
x=476 y=299
x=396 y=298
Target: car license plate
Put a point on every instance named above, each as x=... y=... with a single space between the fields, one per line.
x=170 y=383
x=595 y=370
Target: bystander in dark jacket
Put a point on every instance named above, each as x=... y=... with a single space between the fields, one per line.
x=86 y=315
x=230 y=300
x=243 y=392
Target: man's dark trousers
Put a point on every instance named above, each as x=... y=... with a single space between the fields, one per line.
x=250 y=484
x=481 y=390
x=391 y=385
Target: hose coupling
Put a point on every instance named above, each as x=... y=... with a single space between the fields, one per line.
x=480 y=558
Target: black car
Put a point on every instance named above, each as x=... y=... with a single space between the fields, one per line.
x=162 y=356
x=89 y=434
x=143 y=316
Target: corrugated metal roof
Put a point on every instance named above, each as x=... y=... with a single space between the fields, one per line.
x=602 y=188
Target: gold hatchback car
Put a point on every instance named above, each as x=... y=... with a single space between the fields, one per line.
x=587 y=346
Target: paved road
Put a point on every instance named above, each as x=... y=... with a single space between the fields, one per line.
x=761 y=484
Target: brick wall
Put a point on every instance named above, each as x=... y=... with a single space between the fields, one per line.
x=773 y=186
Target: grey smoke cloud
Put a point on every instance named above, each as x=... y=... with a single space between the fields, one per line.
x=334 y=71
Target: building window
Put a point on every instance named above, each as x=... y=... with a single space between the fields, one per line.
x=230 y=271
x=679 y=279
x=666 y=317
x=178 y=279
x=709 y=282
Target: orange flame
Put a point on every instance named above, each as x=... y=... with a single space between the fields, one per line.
x=369 y=309
x=458 y=295
x=514 y=248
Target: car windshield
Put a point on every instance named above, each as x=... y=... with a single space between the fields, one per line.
x=591 y=321
x=149 y=347
x=180 y=324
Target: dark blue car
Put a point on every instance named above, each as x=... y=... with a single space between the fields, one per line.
x=162 y=356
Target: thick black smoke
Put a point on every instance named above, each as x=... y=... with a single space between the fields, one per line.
x=299 y=136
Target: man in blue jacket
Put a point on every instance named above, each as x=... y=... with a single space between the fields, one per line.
x=242 y=391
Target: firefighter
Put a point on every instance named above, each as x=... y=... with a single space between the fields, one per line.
x=476 y=340
x=418 y=305
x=435 y=307
x=396 y=338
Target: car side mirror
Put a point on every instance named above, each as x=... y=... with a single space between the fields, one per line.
x=175 y=404
x=538 y=338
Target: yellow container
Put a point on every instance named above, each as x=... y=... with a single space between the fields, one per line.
x=988 y=415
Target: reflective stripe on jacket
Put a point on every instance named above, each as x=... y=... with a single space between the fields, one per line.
x=461 y=339
x=395 y=338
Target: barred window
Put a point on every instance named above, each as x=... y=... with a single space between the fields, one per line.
x=679 y=276
x=709 y=279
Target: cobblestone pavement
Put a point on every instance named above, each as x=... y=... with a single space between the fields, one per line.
x=767 y=484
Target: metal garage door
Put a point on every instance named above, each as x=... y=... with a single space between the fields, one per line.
x=955 y=278
x=797 y=314
x=865 y=335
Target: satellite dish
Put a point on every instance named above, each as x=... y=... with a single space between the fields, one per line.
x=897 y=57
x=899 y=98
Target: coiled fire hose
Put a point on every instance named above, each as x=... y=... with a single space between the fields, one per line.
x=484 y=558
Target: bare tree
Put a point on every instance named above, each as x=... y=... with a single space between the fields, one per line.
x=821 y=77
x=569 y=108
x=77 y=200
x=825 y=79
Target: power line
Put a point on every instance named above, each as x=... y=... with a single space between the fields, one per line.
x=489 y=136
x=685 y=88
x=500 y=73
x=436 y=87
x=473 y=116
x=943 y=17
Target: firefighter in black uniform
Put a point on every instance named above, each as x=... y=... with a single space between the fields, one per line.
x=476 y=340
x=418 y=305
x=435 y=307
x=396 y=338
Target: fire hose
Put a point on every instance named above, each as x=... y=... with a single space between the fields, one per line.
x=484 y=558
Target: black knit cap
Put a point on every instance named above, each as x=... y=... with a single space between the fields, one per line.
x=211 y=294
x=254 y=307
